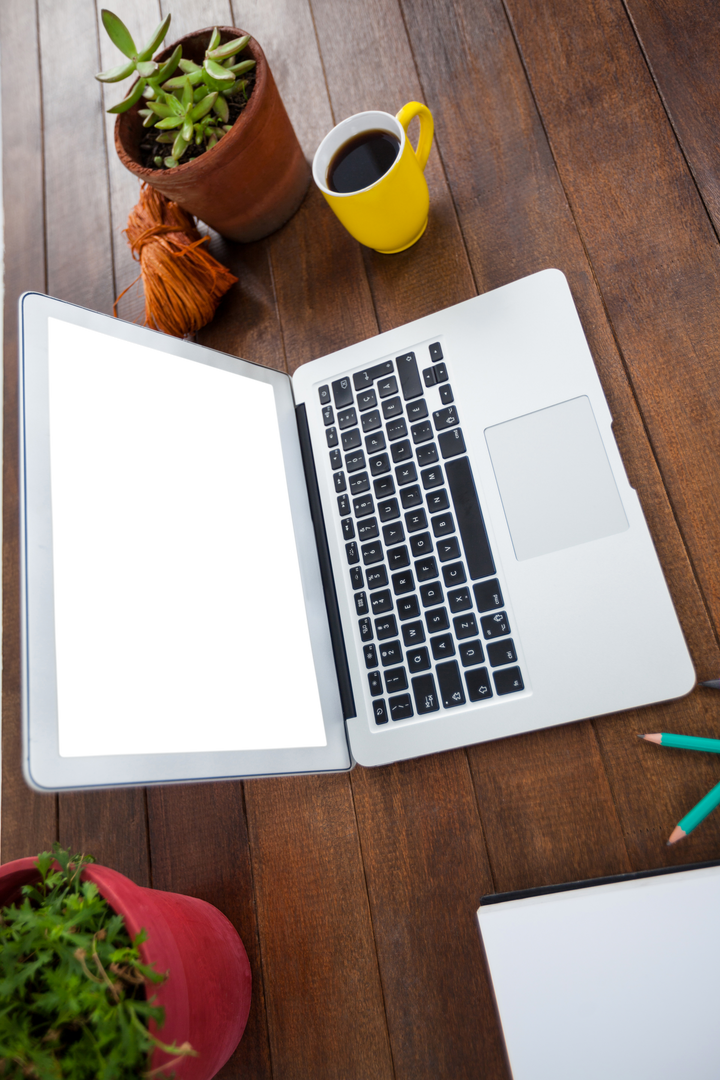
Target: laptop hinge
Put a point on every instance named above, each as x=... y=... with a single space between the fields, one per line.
x=328 y=581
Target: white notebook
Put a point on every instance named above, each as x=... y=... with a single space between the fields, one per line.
x=609 y=980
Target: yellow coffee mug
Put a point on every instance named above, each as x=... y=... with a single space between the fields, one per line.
x=391 y=214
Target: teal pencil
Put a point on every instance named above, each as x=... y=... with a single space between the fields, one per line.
x=696 y=815
x=683 y=742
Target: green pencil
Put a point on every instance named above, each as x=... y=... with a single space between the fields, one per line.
x=683 y=742
x=696 y=815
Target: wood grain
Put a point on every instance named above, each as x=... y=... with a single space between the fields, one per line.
x=426 y=869
x=28 y=820
x=680 y=42
x=325 y=1001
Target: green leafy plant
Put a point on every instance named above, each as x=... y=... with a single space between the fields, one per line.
x=72 y=999
x=191 y=109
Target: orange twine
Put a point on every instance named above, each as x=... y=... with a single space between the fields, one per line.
x=183 y=283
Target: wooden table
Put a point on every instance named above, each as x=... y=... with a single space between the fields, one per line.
x=581 y=136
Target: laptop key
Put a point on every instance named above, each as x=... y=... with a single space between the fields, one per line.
x=375 y=443
x=415 y=520
x=339 y=481
x=408 y=608
x=495 y=625
x=384 y=485
x=403 y=582
x=441 y=373
x=355 y=462
x=365 y=628
x=335 y=460
x=427 y=453
x=398 y=558
x=348 y=529
x=454 y=574
x=465 y=626
x=429 y=377
x=446 y=394
x=342 y=392
x=331 y=436
x=426 y=569
x=488 y=595
x=380 y=463
x=381 y=602
x=376 y=578
x=501 y=652
x=396 y=429
x=469 y=518
x=351 y=439
x=425 y=694
x=411 y=496
x=371 y=553
x=347 y=419
x=371 y=420
x=459 y=599
x=451 y=443
x=361 y=604
x=478 y=684
x=356 y=578
x=381 y=370
x=400 y=707
x=324 y=394
x=388 y=510
x=448 y=548
x=413 y=634
x=328 y=415
x=392 y=407
x=375 y=682
x=437 y=620
x=362 y=506
x=395 y=679
x=393 y=534
x=436 y=352
x=358 y=483
x=409 y=376
x=391 y=654
x=367 y=400
x=442 y=646
x=387 y=386
x=343 y=505
x=401 y=451
x=445 y=418
x=370 y=654
x=431 y=594
x=432 y=478
x=379 y=711
x=471 y=654
x=438 y=500
x=421 y=545
x=351 y=550
x=406 y=474
x=451 y=688
x=367 y=529
x=416 y=410
x=418 y=660
x=443 y=525
x=508 y=681
x=386 y=627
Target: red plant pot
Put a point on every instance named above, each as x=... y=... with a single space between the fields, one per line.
x=207 y=994
x=253 y=179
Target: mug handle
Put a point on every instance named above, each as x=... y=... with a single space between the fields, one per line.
x=406 y=114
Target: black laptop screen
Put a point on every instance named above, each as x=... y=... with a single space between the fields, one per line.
x=180 y=624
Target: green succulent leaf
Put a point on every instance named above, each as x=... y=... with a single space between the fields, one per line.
x=165 y=138
x=156 y=39
x=175 y=84
x=201 y=92
x=179 y=147
x=119 y=33
x=187 y=94
x=214 y=41
x=170 y=163
x=230 y=48
x=146 y=68
x=203 y=107
x=149 y=121
x=158 y=161
x=242 y=67
x=218 y=72
x=161 y=109
x=174 y=105
x=169 y=123
x=116 y=74
x=221 y=107
x=212 y=141
x=189 y=65
x=128 y=102
x=170 y=65
x=187 y=132
x=149 y=92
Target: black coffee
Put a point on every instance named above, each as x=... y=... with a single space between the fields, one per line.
x=361 y=161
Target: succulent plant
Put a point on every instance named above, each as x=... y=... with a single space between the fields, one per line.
x=189 y=108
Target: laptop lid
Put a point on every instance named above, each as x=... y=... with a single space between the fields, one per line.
x=174 y=625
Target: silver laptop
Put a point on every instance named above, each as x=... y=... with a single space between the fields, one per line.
x=420 y=542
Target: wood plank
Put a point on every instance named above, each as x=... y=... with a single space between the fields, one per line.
x=109 y=825
x=426 y=869
x=323 y=987
x=29 y=820
x=79 y=252
x=200 y=848
x=399 y=283
x=680 y=42
x=516 y=219
x=648 y=237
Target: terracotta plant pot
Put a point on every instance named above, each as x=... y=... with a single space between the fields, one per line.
x=254 y=179
x=207 y=994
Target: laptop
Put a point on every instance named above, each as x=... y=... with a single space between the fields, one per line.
x=424 y=541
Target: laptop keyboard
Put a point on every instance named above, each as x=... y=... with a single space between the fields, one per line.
x=429 y=603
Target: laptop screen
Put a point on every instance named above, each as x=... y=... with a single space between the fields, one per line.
x=180 y=624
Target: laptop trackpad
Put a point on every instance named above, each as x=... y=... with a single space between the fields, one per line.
x=555 y=480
